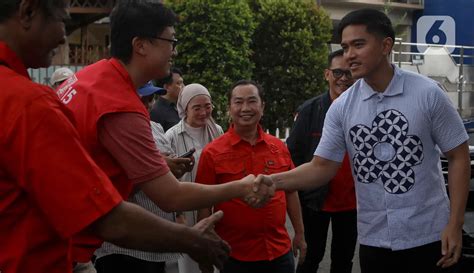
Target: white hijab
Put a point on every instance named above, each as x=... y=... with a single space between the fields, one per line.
x=189 y=92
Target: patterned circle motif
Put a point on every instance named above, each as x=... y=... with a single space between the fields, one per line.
x=397 y=174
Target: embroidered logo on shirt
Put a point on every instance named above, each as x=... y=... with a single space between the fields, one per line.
x=386 y=151
x=273 y=148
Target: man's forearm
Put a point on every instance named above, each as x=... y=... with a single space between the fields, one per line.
x=310 y=175
x=131 y=226
x=172 y=195
x=459 y=171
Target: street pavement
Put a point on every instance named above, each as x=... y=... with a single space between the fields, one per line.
x=325 y=264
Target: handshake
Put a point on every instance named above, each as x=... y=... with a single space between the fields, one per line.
x=260 y=190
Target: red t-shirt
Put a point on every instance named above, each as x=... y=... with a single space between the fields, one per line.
x=106 y=105
x=341 y=193
x=50 y=189
x=128 y=137
x=253 y=234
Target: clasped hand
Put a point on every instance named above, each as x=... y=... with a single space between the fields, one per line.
x=260 y=190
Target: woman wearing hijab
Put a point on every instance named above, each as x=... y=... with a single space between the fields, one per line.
x=194 y=131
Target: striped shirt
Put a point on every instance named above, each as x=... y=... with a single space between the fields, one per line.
x=142 y=200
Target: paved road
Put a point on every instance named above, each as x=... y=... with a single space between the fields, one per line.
x=325 y=265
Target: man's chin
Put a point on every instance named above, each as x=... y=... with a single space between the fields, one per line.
x=162 y=74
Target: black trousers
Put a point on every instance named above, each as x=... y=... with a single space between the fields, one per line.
x=420 y=259
x=118 y=263
x=344 y=239
x=282 y=264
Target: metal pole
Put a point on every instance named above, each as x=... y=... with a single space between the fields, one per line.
x=400 y=53
x=461 y=80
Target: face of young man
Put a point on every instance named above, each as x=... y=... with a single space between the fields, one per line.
x=175 y=87
x=246 y=107
x=364 y=52
x=338 y=76
x=42 y=36
x=159 y=53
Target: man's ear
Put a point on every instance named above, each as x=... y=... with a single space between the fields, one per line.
x=27 y=10
x=387 y=45
x=326 y=74
x=139 y=46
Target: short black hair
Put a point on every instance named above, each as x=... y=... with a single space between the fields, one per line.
x=261 y=94
x=48 y=7
x=334 y=54
x=376 y=22
x=169 y=79
x=136 y=18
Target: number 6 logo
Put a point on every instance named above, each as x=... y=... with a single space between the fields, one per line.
x=440 y=30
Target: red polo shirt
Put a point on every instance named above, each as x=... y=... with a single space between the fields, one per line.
x=50 y=189
x=254 y=234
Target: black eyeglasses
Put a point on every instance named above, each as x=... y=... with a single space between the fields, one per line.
x=338 y=73
x=173 y=42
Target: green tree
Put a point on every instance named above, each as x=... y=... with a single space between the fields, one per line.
x=214 y=45
x=290 y=54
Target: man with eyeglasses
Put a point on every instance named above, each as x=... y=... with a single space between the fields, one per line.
x=114 y=124
x=334 y=202
x=50 y=188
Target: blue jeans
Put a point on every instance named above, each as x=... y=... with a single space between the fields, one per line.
x=282 y=264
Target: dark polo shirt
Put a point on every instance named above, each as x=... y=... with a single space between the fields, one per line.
x=164 y=112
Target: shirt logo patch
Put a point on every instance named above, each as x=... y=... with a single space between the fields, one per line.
x=386 y=151
x=66 y=92
x=273 y=148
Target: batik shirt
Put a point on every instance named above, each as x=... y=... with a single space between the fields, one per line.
x=394 y=139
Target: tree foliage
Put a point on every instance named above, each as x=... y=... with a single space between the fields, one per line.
x=214 y=45
x=290 y=54
x=282 y=44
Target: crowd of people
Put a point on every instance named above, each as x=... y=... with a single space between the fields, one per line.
x=108 y=171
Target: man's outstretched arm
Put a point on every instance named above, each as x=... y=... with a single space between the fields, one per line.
x=131 y=226
x=313 y=174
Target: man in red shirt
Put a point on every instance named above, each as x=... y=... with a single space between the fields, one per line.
x=114 y=125
x=50 y=188
x=258 y=237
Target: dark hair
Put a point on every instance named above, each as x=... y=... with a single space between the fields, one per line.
x=48 y=7
x=169 y=79
x=261 y=94
x=375 y=21
x=136 y=18
x=333 y=55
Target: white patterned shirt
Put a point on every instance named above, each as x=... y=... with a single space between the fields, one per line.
x=394 y=140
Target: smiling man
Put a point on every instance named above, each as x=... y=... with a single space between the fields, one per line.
x=258 y=237
x=393 y=124
x=114 y=124
x=50 y=188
